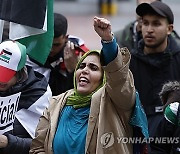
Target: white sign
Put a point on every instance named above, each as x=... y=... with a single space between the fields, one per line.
x=8 y=108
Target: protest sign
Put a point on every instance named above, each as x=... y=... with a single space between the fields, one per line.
x=8 y=108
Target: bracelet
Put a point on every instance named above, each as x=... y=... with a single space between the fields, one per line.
x=110 y=40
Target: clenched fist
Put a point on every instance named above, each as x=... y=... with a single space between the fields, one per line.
x=102 y=27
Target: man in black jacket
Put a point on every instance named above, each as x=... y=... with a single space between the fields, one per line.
x=156 y=60
x=62 y=59
x=169 y=126
x=130 y=35
x=24 y=96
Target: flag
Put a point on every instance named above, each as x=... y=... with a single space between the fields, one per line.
x=30 y=12
x=1 y=28
x=32 y=25
x=39 y=46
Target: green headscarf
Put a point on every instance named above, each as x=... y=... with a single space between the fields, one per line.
x=77 y=100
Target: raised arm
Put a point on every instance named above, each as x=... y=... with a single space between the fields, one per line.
x=103 y=28
x=120 y=83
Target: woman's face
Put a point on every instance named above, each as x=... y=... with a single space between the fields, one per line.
x=89 y=75
x=8 y=85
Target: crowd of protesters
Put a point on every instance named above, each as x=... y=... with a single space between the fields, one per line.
x=81 y=100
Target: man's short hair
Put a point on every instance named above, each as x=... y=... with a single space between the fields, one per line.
x=60 y=25
x=168 y=88
x=156 y=7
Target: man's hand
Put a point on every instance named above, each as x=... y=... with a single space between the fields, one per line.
x=70 y=58
x=3 y=141
x=103 y=28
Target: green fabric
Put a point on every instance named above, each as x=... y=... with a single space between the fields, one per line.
x=22 y=62
x=170 y=116
x=39 y=46
x=77 y=100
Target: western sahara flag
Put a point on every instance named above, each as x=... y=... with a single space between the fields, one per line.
x=31 y=23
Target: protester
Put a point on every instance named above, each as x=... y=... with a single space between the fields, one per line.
x=156 y=60
x=61 y=76
x=24 y=96
x=61 y=62
x=169 y=127
x=130 y=35
x=89 y=118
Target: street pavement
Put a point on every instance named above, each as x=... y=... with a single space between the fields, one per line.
x=80 y=17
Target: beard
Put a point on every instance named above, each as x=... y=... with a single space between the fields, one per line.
x=156 y=44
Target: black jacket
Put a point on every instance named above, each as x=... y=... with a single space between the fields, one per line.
x=152 y=71
x=60 y=80
x=129 y=37
x=167 y=129
x=31 y=90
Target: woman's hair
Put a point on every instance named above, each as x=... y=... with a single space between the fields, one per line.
x=170 y=92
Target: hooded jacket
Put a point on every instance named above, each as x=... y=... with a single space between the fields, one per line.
x=129 y=37
x=152 y=71
x=33 y=100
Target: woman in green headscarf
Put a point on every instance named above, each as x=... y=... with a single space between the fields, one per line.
x=89 y=118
